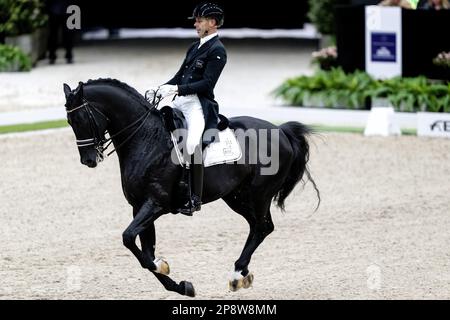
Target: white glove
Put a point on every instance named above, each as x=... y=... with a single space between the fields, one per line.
x=167 y=90
x=150 y=94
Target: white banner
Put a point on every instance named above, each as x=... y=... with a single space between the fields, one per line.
x=433 y=124
x=383 y=41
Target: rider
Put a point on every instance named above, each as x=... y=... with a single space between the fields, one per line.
x=193 y=85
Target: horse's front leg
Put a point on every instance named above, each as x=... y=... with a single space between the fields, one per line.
x=143 y=218
x=148 y=239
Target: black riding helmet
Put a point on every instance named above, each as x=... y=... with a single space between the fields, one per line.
x=209 y=10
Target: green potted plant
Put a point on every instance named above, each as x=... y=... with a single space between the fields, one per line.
x=335 y=88
x=325 y=58
x=442 y=60
x=13 y=59
x=332 y=89
x=22 y=23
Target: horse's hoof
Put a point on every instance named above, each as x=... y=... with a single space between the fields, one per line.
x=235 y=284
x=188 y=288
x=161 y=266
x=248 y=280
x=238 y=281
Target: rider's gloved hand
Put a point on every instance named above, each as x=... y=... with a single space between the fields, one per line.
x=167 y=90
x=150 y=94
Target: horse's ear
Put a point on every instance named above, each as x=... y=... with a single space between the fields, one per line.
x=79 y=90
x=67 y=90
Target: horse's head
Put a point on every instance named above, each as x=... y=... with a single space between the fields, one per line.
x=89 y=128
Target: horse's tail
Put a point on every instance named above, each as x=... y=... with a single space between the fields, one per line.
x=296 y=133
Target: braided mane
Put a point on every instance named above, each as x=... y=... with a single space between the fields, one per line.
x=122 y=85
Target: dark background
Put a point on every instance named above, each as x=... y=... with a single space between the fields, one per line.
x=172 y=14
x=425 y=33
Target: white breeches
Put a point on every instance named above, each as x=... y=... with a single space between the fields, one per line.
x=193 y=112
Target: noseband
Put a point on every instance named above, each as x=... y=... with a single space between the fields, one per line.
x=98 y=140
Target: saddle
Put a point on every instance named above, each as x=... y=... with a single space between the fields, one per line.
x=224 y=147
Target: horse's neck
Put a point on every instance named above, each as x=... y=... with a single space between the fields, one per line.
x=120 y=108
x=122 y=111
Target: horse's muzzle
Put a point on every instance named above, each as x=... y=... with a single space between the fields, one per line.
x=89 y=162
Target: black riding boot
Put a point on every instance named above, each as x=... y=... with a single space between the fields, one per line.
x=196 y=184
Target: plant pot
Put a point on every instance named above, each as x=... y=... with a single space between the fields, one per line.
x=381 y=102
x=326 y=40
x=314 y=102
x=24 y=42
x=328 y=64
x=340 y=104
x=12 y=67
x=30 y=44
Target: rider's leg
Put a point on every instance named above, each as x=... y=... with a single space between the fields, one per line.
x=197 y=178
x=192 y=110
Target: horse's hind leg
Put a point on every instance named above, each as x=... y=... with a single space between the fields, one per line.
x=242 y=277
x=148 y=239
x=261 y=225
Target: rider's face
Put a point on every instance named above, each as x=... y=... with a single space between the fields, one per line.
x=204 y=26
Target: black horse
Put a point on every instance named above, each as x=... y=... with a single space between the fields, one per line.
x=150 y=179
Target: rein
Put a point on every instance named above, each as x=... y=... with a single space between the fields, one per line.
x=142 y=118
x=98 y=139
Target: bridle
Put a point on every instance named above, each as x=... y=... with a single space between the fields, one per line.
x=98 y=139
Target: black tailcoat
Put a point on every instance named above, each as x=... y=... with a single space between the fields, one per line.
x=198 y=75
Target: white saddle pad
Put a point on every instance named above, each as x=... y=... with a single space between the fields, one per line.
x=226 y=150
